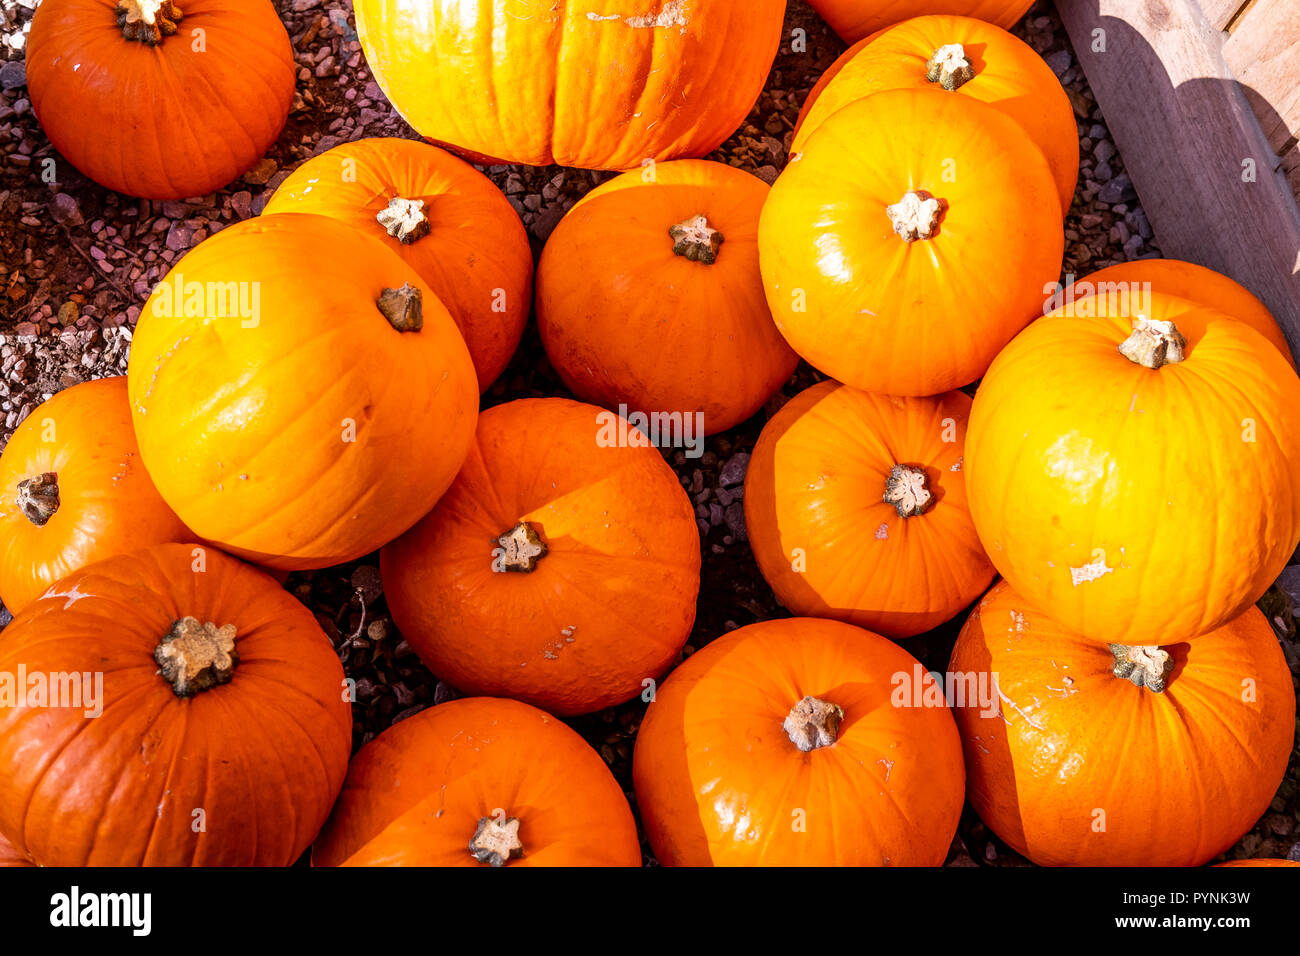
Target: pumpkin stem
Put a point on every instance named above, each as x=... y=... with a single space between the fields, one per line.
x=907 y=491
x=1145 y=665
x=147 y=20
x=404 y=219
x=1154 y=343
x=949 y=67
x=813 y=723
x=194 y=657
x=695 y=239
x=38 y=497
x=402 y=308
x=523 y=547
x=496 y=842
x=916 y=215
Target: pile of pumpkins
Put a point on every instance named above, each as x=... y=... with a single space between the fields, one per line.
x=303 y=390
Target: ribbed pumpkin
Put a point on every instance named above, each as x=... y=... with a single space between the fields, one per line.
x=855 y=505
x=649 y=295
x=909 y=241
x=318 y=429
x=1186 y=280
x=75 y=491
x=1137 y=476
x=561 y=568
x=479 y=782
x=158 y=100
x=799 y=742
x=446 y=219
x=223 y=730
x=11 y=857
x=1260 y=861
x=961 y=55
x=855 y=19
x=599 y=85
x=1122 y=755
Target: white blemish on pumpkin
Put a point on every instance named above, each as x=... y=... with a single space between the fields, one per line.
x=866 y=312
x=673 y=14
x=888 y=765
x=882 y=533
x=1133 y=404
x=550 y=656
x=1090 y=572
x=957 y=464
x=1012 y=704
x=1018 y=622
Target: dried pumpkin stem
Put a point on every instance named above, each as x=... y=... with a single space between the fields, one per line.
x=813 y=723
x=1154 y=343
x=522 y=547
x=196 y=656
x=404 y=219
x=1145 y=665
x=695 y=239
x=916 y=215
x=148 y=20
x=907 y=490
x=950 y=67
x=38 y=497
x=402 y=308
x=496 y=842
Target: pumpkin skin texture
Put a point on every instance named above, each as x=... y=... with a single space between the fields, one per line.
x=1260 y=861
x=102 y=502
x=1129 y=501
x=626 y=319
x=466 y=243
x=11 y=857
x=1007 y=74
x=602 y=85
x=718 y=778
x=1180 y=774
x=263 y=754
x=883 y=313
x=318 y=432
x=817 y=481
x=164 y=120
x=1186 y=280
x=415 y=795
x=620 y=534
x=855 y=19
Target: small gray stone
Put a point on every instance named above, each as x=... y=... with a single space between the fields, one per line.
x=734 y=516
x=1119 y=189
x=733 y=472
x=178 y=237
x=242 y=203
x=1141 y=225
x=766 y=173
x=1289 y=581
x=1098 y=132
x=13 y=75
x=1102 y=173
x=64 y=209
x=1059 y=61
x=1103 y=151
x=715 y=514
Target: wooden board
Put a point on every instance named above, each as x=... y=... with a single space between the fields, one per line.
x=1184 y=129
x=1263 y=52
x=1220 y=13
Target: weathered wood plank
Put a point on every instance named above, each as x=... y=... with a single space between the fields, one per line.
x=1291 y=169
x=1220 y=13
x=1189 y=141
x=1263 y=52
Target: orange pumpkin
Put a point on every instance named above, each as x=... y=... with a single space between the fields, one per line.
x=599 y=85
x=855 y=19
x=217 y=734
x=799 y=742
x=317 y=423
x=649 y=296
x=11 y=857
x=1137 y=478
x=909 y=241
x=1079 y=766
x=856 y=509
x=1260 y=861
x=962 y=55
x=479 y=781
x=560 y=569
x=446 y=219
x=75 y=491
x=158 y=100
x=1186 y=280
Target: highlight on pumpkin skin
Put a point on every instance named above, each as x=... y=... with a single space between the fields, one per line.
x=779 y=744
x=1095 y=482
x=853 y=20
x=479 y=781
x=1204 y=731
x=961 y=56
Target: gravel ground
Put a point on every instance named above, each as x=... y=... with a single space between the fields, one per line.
x=79 y=261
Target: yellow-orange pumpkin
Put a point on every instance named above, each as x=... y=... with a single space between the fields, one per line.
x=961 y=55
x=600 y=85
x=1137 y=475
x=1079 y=766
x=855 y=505
x=476 y=782
x=320 y=425
x=909 y=241
x=446 y=219
x=649 y=296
